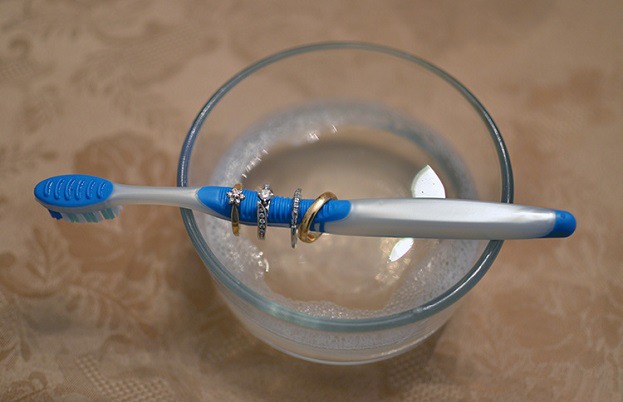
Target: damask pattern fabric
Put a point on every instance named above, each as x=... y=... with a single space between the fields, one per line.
x=125 y=310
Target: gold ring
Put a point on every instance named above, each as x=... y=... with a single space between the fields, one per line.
x=304 y=234
x=235 y=196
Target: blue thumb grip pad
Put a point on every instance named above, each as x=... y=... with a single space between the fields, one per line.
x=280 y=211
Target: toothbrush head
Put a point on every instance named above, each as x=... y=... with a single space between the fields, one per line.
x=77 y=198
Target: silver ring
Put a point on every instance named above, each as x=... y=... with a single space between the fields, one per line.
x=296 y=204
x=263 y=205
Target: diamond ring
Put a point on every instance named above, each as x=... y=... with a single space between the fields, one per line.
x=235 y=195
x=263 y=205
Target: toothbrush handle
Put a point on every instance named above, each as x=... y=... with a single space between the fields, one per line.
x=409 y=217
x=451 y=219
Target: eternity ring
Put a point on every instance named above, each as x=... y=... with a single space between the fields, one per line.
x=304 y=234
x=296 y=204
x=263 y=205
x=235 y=195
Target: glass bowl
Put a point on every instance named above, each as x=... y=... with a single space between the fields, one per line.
x=359 y=120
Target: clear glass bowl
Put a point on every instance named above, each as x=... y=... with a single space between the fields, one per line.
x=359 y=120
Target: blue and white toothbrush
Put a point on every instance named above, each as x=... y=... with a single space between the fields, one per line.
x=82 y=198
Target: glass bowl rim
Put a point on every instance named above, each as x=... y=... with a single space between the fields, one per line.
x=446 y=299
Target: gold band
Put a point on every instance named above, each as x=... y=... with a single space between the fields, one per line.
x=304 y=234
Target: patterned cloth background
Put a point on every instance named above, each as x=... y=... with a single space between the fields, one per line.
x=126 y=311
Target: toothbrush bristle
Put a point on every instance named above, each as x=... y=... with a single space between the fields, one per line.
x=93 y=216
x=55 y=214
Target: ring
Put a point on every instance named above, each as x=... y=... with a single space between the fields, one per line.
x=296 y=203
x=304 y=234
x=235 y=195
x=263 y=205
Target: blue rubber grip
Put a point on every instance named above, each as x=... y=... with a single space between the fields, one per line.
x=73 y=190
x=280 y=211
x=564 y=225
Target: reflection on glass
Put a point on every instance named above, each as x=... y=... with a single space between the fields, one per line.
x=401 y=248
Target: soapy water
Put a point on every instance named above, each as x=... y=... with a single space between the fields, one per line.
x=356 y=150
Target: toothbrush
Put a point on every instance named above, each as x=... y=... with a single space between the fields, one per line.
x=82 y=198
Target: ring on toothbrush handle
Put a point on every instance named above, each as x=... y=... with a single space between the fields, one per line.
x=296 y=204
x=263 y=207
x=235 y=195
x=304 y=234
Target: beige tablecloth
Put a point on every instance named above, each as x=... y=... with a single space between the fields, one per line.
x=126 y=311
